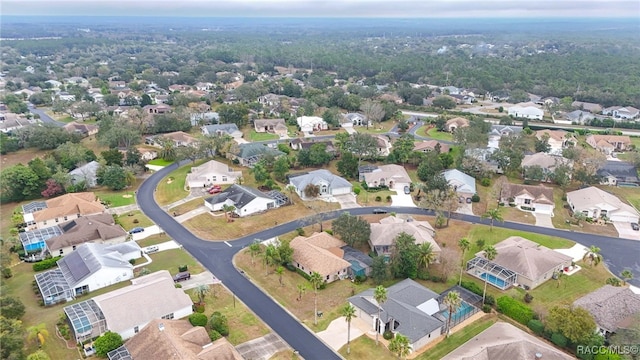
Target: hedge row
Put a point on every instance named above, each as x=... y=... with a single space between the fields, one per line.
x=46 y=264
x=515 y=309
x=476 y=289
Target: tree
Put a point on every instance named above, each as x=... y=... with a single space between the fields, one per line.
x=592 y=255
x=426 y=256
x=311 y=191
x=227 y=209
x=561 y=175
x=353 y=230
x=11 y=338
x=133 y=156
x=373 y=111
x=576 y=324
x=255 y=249
x=444 y=102
x=146 y=100
x=316 y=155
x=69 y=155
x=202 y=290
x=379 y=270
x=402 y=149
x=349 y=312
x=107 y=342
x=234 y=114
x=111 y=99
x=38 y=355
x=348 y=165
x=114 y=177
x=18 y=183
x=534 y=172
x=280 y=271
x=302 y=288
x=626 y=275
x=380 y=296
x=404 y=259
x=400 y=346
x=364 y=146
x=260 y=172
x=316 y=281
x=38 y=333
x=281 y=168
x=542 y=145
x=113 y=157
x=52 y=189
x=493 y=215
x=11 y=307
x=452 y=301
x=464 y=245
x=490 y=254
x=219 y=323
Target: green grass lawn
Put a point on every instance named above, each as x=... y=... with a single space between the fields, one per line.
x=117 y=198
x=458 y=338
x=127 y=220
x=160 y=162
x=439 y=135
x=153 y=240
x=172 y=259
x=365 y=348
x=496 y=235
x=188 y=206
x=256 y=136
x=172 y=187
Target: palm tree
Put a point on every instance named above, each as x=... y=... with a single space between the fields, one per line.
x=38 y=333
x=280 y=271
x=292 y=190
x=453 y=302
x=400 y=345
x=227 y=209
x=490 y=253
x=426 y=256
x=559 y=276
x=316 y=281
x=202 y=290
x=349 y=312
x=255 y=249
x=626 y=275
x=464 y=245
x=380 y=295
x=271 y=256
x=592 y=255
x=493 y=215
x=302 y=288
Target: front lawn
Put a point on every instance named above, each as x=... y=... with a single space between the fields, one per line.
x=153 y=240
x=365 y=348
x=172 y=187
x=256 y=136
x=160 y=162
x=496 y=235
x=377 y=128
x=117 y=198
x=128 y=220
x=188 y=206
x=439 y=135
x=172 y=259
x=369 y=198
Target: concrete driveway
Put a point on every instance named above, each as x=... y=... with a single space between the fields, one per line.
x=148 y=231
x=204 y=278
x=401 y=199
x=262 y=348
x=347 y=201
x=465 y=208
x=625 y=231
x=336 y=334
x=543 y=220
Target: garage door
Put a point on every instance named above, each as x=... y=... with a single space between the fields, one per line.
x=544 y=209
x=624 y=218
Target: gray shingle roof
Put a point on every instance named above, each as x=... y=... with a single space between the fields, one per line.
x=316 y=176
x=228 y=128
x=256 y=149
x=621 y=170
x=240 y=195
x=89 y=258
x=610 y=305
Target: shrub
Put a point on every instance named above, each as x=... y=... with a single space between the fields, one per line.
x=480 y=243
x=489 y=300
x=107 y=342
x=214 y=335
x=136 y=221
x=559 y=339
x=284 y=148
x=218 y=322
x=356 y=190
x=387 y=335
x=132 y=261
x=199 y=308
x=183 y=268
x=300 y=231
x=485 y=182
x=486 y=308
x=290 y=267
x=329 y=231
x=178 y=286
x=528 y=298
x=46 y=264
x=515 y=309
x=378 y=198
x=7 y=273
x=388 y=198
x=536 y=326
x=475 y=198
x=198 y=319
x=360 y=279
x=471 y=286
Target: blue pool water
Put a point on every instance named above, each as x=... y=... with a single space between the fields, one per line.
x=494 y=280
x=462 y=311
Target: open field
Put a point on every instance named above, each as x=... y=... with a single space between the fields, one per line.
x=22 y=156
x=127 y=220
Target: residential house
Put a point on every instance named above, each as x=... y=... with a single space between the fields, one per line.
x=612 y=307
x=146 y=153
x=250 y=153
x=527 y=112
x=309 y=124
x=390 y=175
x=270 y=100
x=450 y=90
x=178 y=88
x=616 y=173
x=579 y=116
x=38 y=215
x=174 y=340
x=34 y=241
x=83 y=129
x=383 y=145
x=211 y=172
x=161 y=99
x=519 y=261
x=431 y=145
x=384 y=234
x=86 y=173
x=609 y=143
x=536 y=198
x=558 y=139
x=327 y=183
x=115 y=84
x=587 y=106
x=320 y=253
x=157 y=109
x=505 y=341
x=360 y=262
x=410 y=309
x=65 y=96
x=456 y=123
x=88 y=268
x=245 y=200
x=272 y=126
x=222 y=129
x=496 y=132
x=205 y=117
x=622 y=112
x=595 y=203
x=102 y=313
x=547 y=162
x=10 y=122
x=203 y=86
x=99 y=229
x=180 y=138
x=54 y=84
x=462 y=99
x=77 y=80
x=356 y=119
x=463 y=184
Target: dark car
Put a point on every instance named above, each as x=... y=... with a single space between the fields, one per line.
x=136 y=230
x=407 y=190
x=379 y=211
x=635 y=226
x=181 y=276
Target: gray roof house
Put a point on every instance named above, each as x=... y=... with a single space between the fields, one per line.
x=618 y=172
x=250 y=153
x=411 y=309
x=246 y=200
x=90 y=267
x=498 y=131
x=328 y=184
x=86 y=173
x=612 y=307
x=462 y=183
x=221 y=129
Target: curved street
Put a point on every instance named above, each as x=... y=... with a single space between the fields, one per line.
x=618 y=254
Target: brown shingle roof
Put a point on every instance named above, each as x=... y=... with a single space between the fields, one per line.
x=385 y=233
x=86 y=229
x=541 y=194
x=558 y=135
x=430 y=145
x=84 y=203
x=610 y=306
x=318 y=253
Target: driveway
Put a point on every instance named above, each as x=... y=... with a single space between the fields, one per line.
x=336 y=334
x=347 y=201
x=204 y=278
x=262 y=348
x=401 y=199
x=543 y=220
x=148 y=231
x=625 y=231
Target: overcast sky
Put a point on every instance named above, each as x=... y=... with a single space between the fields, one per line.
x=328 y=8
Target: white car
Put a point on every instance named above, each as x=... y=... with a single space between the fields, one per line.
x=151 y=249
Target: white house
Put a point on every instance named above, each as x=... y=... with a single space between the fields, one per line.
x=496 y=132
x=328 y=184
x=463 y=184
x=622 y=112
x=536 y=198
x=246 y=200
x=527 y=112
x=90 y=267
x=389 y=175
x=93 y=317
x=86 y=173
x=309 y=124
x=211 y=172
x=557 y=139
x=596 y=203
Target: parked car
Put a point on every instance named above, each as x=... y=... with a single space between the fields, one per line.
x=379 y=211
x=151 y=249
x=181 y=276
x=635 y=226
x=136 y=230
x=214 y=189
x=407 y=190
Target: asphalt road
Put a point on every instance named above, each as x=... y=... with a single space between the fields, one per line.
x=44 y=117
x=618 y=254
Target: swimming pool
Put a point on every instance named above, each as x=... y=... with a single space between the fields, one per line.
x=494 y=280
x=460 y=314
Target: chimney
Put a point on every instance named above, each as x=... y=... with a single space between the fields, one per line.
x=161 y=328
x=538 y=355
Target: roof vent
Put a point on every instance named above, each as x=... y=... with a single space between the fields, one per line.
x=161 y=326
x=538 y=355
